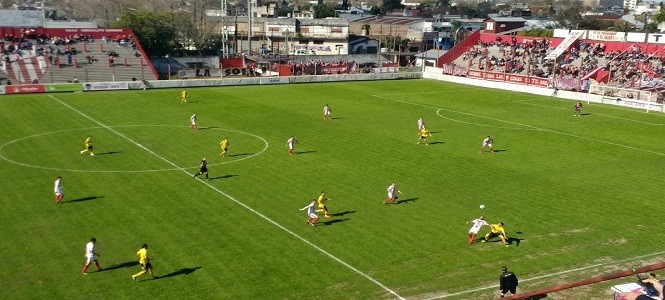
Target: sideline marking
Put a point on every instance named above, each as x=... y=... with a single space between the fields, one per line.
x=335 y=258
x=548 y=275
x=484 y=125
x=527 y=126
x=124 y=171
x=528 y=102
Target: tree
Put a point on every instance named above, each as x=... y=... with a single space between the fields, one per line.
x=623 y=27
x=483 y=9
x=390 y=5
x=322 y=11
x=569 y=13
x=153 y=30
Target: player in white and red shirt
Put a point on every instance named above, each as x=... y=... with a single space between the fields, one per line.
x=487 y=143
x=290 y=144
x=477 y=224
x=392 y=193
x=421 y=124
x=326 y=112
x=311 y=213
x=57 y=189
x=90 y=256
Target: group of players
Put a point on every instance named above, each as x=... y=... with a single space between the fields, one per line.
x=318 y=205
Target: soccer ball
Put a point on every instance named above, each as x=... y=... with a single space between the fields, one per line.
x=482 y=206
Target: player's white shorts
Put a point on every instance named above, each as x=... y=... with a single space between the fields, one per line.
x=313 y=216
x=487 y=145
x=290 y=146
x=58 y=192
x=193 y=123
x=90 y=258
x=391 y=195
x=474 y=231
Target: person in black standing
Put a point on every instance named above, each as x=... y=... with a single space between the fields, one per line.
x=507 y=282
x=203 y=169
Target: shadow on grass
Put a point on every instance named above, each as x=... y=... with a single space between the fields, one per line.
x=514 y=241
x=337 y=118
x=84 y=199
x=406 y=200
x=304 y=152
x=500 y=150
x=538 y=297
x=122 y=265
x=240 y=154
x=224 y=176
x=330 y=222
x=437 y=142
x=178 y=272
x=585 y=114
x=209 y=127
x=339 y=214
x=108 y=153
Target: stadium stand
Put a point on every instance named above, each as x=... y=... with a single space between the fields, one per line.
x=572 y=64
x=61 y=55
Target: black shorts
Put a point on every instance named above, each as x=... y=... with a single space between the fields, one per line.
x=204 y=170
x=643 y=297
x=90 y=148
x=147 y=266
x=511 y=290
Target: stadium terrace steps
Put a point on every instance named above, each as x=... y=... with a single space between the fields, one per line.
x=99 y=70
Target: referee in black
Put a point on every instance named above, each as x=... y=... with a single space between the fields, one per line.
x=507 y=282
x=203 y=169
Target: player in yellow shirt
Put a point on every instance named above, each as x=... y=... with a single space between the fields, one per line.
x=224 y=144
x=424 y=134
x=87 y=146
x=144 y=260
x=183 y=96
x=321 y=204
x=497 y=230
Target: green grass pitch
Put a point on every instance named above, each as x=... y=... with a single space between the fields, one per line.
x=581 y=196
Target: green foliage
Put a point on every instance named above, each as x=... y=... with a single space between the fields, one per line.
x=660 y=16
x=537 y=32
x=390 y=5
x=623 y=27
x=577 y=192
x=155 y=31
x=323 y=11
x=569 y=14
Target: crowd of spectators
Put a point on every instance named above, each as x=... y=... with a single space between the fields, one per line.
x=320 y=67
x=580 y=59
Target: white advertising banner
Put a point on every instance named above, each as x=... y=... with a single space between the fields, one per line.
x=607 y=36
x=656 y=38
x=565 y=44
x=274 y=80
x=636 y=37
x=560 y=33
x=105 y=86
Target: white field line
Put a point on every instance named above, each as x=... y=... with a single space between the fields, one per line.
x=123 y=171
x=528 y=102
x=527 y=126
x=550 y=275
x=333 y=257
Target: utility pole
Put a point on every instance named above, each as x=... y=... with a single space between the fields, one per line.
x=225 y=29
x=250 y=19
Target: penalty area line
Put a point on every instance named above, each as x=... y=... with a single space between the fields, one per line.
x=269 y=220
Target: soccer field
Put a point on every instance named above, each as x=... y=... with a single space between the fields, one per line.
x=579 y=195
